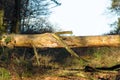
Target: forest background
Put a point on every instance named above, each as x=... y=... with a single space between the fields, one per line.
x=31 y=17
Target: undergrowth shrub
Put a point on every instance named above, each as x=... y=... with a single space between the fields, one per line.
x=24 y=62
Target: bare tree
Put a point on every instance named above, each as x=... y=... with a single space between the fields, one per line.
x=37 y=11
x=17 y=12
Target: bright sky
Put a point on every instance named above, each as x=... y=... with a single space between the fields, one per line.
x=83 y=17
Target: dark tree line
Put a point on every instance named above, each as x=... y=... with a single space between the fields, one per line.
x=19 y=13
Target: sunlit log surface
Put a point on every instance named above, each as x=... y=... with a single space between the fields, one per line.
x=48 y=40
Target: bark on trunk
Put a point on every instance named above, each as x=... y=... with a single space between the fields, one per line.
x=48 y=40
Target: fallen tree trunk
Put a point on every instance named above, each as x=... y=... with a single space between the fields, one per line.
x=48 y=40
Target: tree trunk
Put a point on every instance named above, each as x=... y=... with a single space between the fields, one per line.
x=2 y=29
x=16 y=21
x=48 y=40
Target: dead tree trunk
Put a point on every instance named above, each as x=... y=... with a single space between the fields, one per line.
x=48 y=40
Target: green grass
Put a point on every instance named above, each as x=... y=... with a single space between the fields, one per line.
x=4 y=74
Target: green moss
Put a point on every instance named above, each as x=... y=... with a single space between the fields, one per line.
x=8 y=39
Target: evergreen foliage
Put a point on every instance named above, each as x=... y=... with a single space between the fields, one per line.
x=115 y=7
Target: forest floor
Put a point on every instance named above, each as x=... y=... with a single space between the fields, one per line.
x=72 y=75
x=103 y=64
